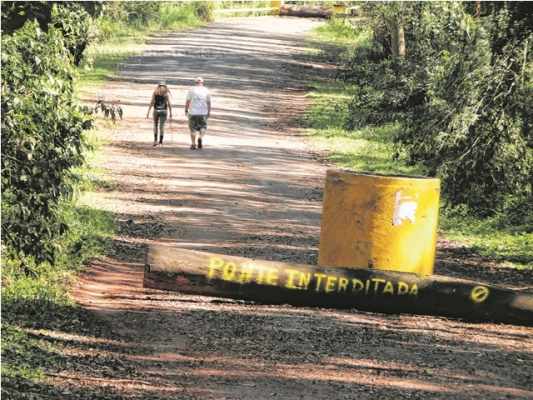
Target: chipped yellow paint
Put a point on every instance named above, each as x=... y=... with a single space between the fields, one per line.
x=381 y=222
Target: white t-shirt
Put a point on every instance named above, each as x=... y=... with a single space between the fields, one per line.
x=199 y=97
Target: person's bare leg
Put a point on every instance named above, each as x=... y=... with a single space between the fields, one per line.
x=193 y=140
x=200 y=139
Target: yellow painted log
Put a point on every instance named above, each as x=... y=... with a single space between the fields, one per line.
x=339 y=9
x=378 y=221
x=271 y=282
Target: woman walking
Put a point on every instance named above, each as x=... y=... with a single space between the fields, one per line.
x=161 y=103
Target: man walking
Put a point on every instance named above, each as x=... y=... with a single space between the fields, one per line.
x=198 y=109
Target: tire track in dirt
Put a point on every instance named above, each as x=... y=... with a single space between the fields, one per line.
x=254 y=191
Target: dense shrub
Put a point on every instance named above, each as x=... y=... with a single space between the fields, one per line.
x=204 y=10
x=135 y=18
x=463 y=96
x=41 y=138
x=72 y=18
x=75 y=25
x=140 y=12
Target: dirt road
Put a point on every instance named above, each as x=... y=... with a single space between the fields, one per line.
x=255 y=191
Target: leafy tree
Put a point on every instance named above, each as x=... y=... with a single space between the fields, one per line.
x=140 y=12
x=389 y=25
x=462 y=94
x=41 y=138
x=72 y=18
x=75 y=24
x=16 y=13
x=471 y=129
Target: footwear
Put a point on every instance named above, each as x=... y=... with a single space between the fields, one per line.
x=155 y=144
x=199 y=143
x=193 y=147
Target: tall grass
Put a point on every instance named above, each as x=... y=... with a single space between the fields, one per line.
x=371 y=148
x=367 y=149
x=174 y=17
x=344 y=32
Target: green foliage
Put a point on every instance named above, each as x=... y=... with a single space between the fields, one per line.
x=462 y=95
x=114 y=24
x=73 y=19
x=16 y=13
x=242 y=8
x=473 y=119
x=102 y=60
x=75 y=24
x=343 y=31
x=161 y=14
x=364 y=147
x=505 y=237
x=174 y=16
x=369 y=148
x=140 y=13
x=40 y=299
x=17 y=349
x=41 y=139
x=204 y=10
x=88 y=236
x=135 y=19
x=359 y=134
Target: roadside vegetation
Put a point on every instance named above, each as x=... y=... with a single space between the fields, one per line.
x=53 y=52
x=399 y=111
x=49 y=53
x=242 y=8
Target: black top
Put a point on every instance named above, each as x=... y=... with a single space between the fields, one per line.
x=160 y=102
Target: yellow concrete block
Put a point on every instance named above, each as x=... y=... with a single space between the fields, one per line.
x=276 y=5
x=378 y=221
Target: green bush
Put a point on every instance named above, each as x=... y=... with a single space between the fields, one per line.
x=135 y=19
x=174 y=16
x=340 y=31
x=73 y=19
x=41 y=138
x=204 y=10
x=462 y=94
x=140 y=12
x=505 y=237
x=75 y=24
x=471 y=128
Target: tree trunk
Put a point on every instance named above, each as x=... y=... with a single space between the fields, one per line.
x=306 y=11
x=401 y=41
x=397 y=39
x=194 y=272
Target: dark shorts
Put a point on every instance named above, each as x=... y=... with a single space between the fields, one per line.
x=197 y=122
